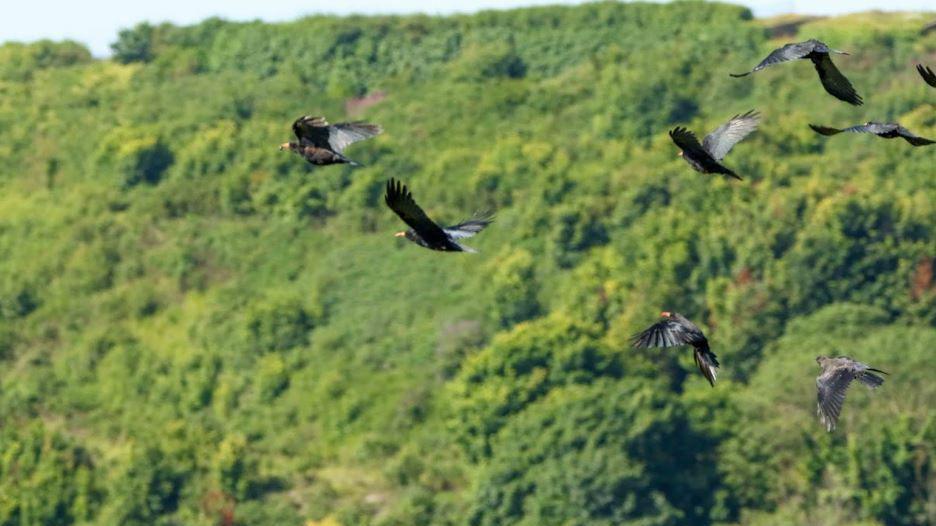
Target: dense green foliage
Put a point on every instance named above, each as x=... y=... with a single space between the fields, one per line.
x=198 y=329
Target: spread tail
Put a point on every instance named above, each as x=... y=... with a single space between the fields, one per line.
x=870 y=379
x=707 y=363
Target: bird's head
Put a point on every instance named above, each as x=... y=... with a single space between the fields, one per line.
x=819 y=359
x=666 y=314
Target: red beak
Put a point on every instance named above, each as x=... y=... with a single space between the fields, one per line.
x=666 y=314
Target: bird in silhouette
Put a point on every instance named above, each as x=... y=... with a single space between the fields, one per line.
x=706 y=157
x=887 y=131
x=832 y=79
x=675 y=330
x=927 y=74
x=833 y=381
x=322 y=144
x=423 y=231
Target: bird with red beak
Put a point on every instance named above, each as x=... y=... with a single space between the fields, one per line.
x=424 y=231
x=706 y=157
x=323 y=144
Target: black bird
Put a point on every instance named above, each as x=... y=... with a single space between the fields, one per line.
x=927 y=75
x=675 y=330
x=322 y=144
x=423 y=231
x=832 y=383
x=832 y=79
x=706 y=157
x=887 y=131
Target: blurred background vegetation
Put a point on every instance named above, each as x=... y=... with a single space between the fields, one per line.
x=198 y=329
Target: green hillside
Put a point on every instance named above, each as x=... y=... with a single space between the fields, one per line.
x=199 y=329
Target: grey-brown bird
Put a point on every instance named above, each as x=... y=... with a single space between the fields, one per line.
x=675 y=330
x=707 y=157
x=819 y=53
x=322 y=144
x=833 y=381
x=927 y=74
x=890 y=130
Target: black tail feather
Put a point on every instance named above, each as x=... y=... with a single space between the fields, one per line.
x=707 y=363
x=870 y=379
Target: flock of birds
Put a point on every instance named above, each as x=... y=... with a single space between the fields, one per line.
x=323 y=144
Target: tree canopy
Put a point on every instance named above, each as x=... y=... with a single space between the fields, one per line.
x=196 y=328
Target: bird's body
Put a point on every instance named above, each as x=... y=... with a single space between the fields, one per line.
x=890 y=130
x=832 y=383
x=323 y=144
x=425 y=232
x=706 y=157
x=676 y=330
x=820 y=55
x=928 y=76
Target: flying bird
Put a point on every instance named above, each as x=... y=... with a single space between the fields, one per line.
x=423 y=231
x=675 y=330
x=322 y=144
x=887 y=131
x=927 y=75
x=832 y=383
x=832 y=79
x=706 y=157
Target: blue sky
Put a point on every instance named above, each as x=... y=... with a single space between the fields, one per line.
x=96 y=22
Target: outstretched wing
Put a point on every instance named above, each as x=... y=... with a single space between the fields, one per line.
x=316 y=131
x=722 y=139
x=876 y=128
x=468 y=228
x=834 y=82
x=668 y=333
x=687 y=141
x=915 y=140
x=832 y=385
x=311 y=131
x=825 y=130
x=784 y=54
x=400 y=200
x=927 y=75
x=343 y=134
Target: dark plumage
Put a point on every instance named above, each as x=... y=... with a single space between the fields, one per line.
x=423 y=231
x=832 y=79
x=833 y=381
x=927 y=75
x=706 y=157
x=887 y=131
x=322 y=144
x=675 y=330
